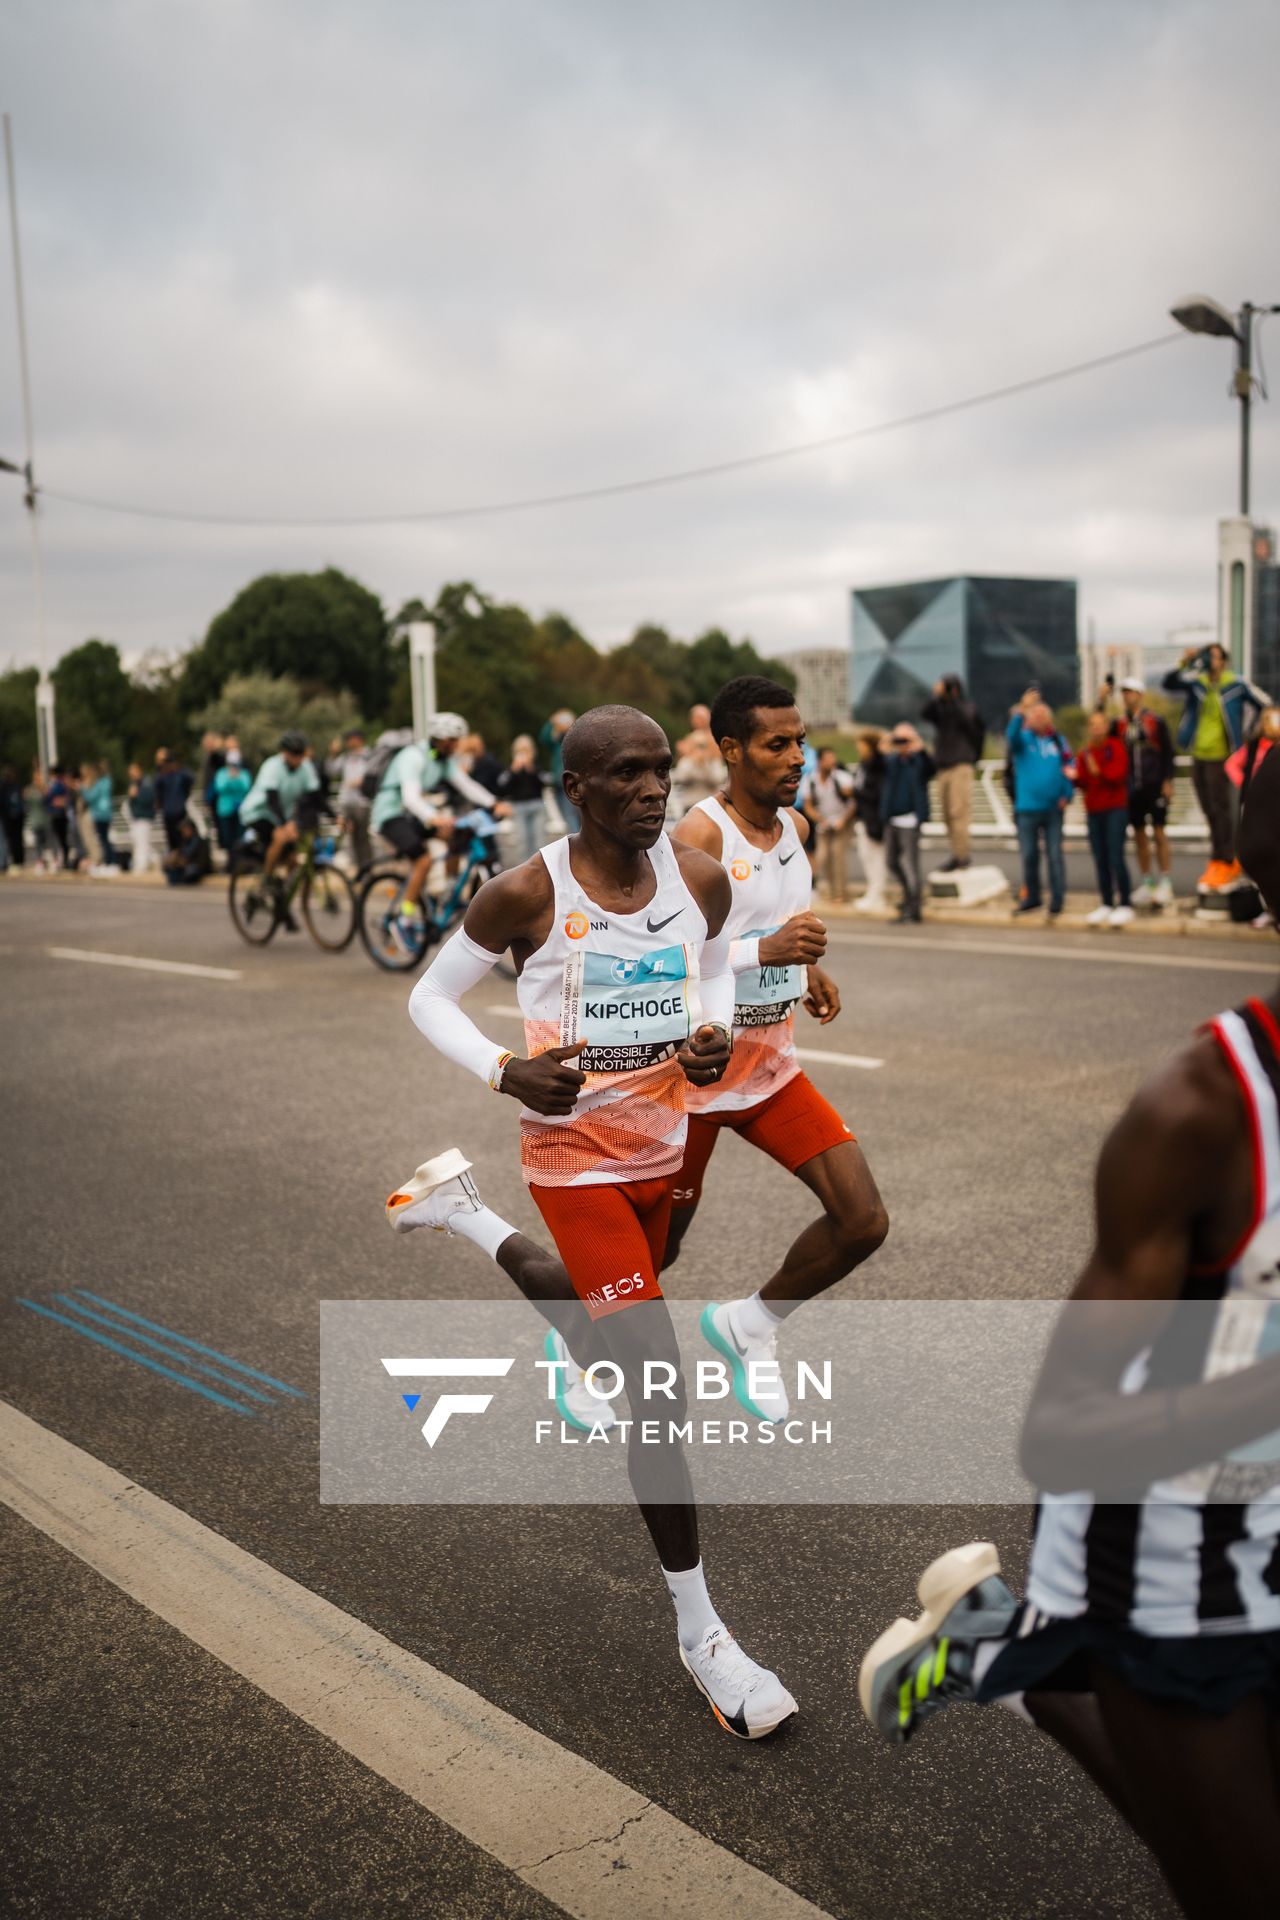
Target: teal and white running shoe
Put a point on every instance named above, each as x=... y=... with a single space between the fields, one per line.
x=721 y=1328
x=917 y=1667
x=579 y=1407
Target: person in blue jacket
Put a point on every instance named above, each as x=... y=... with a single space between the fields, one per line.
x=1042 y=789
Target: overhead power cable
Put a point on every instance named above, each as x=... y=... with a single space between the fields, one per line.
x=681 y=477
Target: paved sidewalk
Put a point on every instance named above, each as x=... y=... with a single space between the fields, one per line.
x=1164 y=923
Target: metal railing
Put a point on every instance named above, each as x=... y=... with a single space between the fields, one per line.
x=993 y=809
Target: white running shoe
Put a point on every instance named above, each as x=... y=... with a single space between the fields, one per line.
x=1098 y=918
x=438 y=1189
x=578 y=1406
x=720 y=1327
x=1121 y=917
x=917 y=1667
x=1163 y=895
x=746 y=1699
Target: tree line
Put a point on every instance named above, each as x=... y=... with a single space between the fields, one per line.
x=319 y=650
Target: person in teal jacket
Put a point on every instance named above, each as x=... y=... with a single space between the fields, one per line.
x=1042 y=791
x=98 y=799
x=231 y=783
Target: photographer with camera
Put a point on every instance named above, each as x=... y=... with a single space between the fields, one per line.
x=1215 y=721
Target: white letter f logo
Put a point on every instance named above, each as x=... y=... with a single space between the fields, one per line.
x=449 y=1403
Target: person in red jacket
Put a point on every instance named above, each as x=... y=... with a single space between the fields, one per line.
x=1102 y=775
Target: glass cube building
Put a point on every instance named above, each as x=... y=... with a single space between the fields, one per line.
x=998 y=635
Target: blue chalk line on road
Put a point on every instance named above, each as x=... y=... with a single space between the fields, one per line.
x=72 y=1312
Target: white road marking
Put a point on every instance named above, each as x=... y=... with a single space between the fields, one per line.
x=597 y=1848
x=1108 y=955
x=802 y=1053
x=839 y=1059
x=145 y=966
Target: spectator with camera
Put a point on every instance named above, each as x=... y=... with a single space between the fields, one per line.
x=1215 y=722
x=1042 y=790
x=1149 y=746
x=959 y=733
x=904 y=806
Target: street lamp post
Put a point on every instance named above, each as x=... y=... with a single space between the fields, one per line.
x=46 y=729
x=1198 y=313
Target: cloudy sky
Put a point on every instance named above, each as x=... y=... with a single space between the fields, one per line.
x=314 y=258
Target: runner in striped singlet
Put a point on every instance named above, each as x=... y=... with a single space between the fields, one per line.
x=627 y=996
x=1149 y=1640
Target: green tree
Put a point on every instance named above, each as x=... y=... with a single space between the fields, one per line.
x=258 y=709
x=715 y=658
x=323 y=630
x=18 y=718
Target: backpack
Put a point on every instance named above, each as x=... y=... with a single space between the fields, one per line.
x=388 y=746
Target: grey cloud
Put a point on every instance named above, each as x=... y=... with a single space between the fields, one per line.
x=321 y=258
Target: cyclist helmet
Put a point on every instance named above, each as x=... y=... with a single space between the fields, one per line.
x=293 y=741
x=446 y=726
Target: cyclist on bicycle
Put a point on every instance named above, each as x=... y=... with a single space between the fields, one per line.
x=284 y=801
x=402 y=812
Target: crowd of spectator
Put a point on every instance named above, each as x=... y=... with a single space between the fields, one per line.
x=1123 y=774
x=877 y=807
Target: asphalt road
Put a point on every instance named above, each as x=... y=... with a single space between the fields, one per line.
x=213 y=1153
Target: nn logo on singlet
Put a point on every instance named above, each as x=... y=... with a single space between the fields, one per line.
x=577 y=926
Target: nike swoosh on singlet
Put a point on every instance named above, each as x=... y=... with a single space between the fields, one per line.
x=656 y=926
x=791 y=856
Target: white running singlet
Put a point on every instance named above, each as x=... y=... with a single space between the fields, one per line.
x=768 y=888
x=627 y=984
x=1199 y=1553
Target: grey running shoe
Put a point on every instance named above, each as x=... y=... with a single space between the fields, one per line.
x=917 y=1667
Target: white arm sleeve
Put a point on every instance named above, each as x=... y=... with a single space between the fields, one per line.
x=411 y=796
x=433 y=1005
x=716 y=981
x=745 y=954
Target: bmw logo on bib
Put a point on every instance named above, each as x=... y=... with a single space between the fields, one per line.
x=624 y=971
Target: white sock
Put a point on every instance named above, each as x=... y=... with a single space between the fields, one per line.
x=695 y=1615
x=756 y=1319
x=485 y=1229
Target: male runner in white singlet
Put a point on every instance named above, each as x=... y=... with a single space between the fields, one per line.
x=624 y=982
x=1149 y=1640
x=754 y=830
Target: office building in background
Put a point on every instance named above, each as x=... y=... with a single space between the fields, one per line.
x=998 y=634
x=822 y=684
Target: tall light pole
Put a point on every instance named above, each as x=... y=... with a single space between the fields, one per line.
x=46 y=727
x=1198 y=313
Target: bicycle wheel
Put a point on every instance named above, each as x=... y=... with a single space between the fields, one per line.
x=386 y=940
x=329 y=906
x=254 y=905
